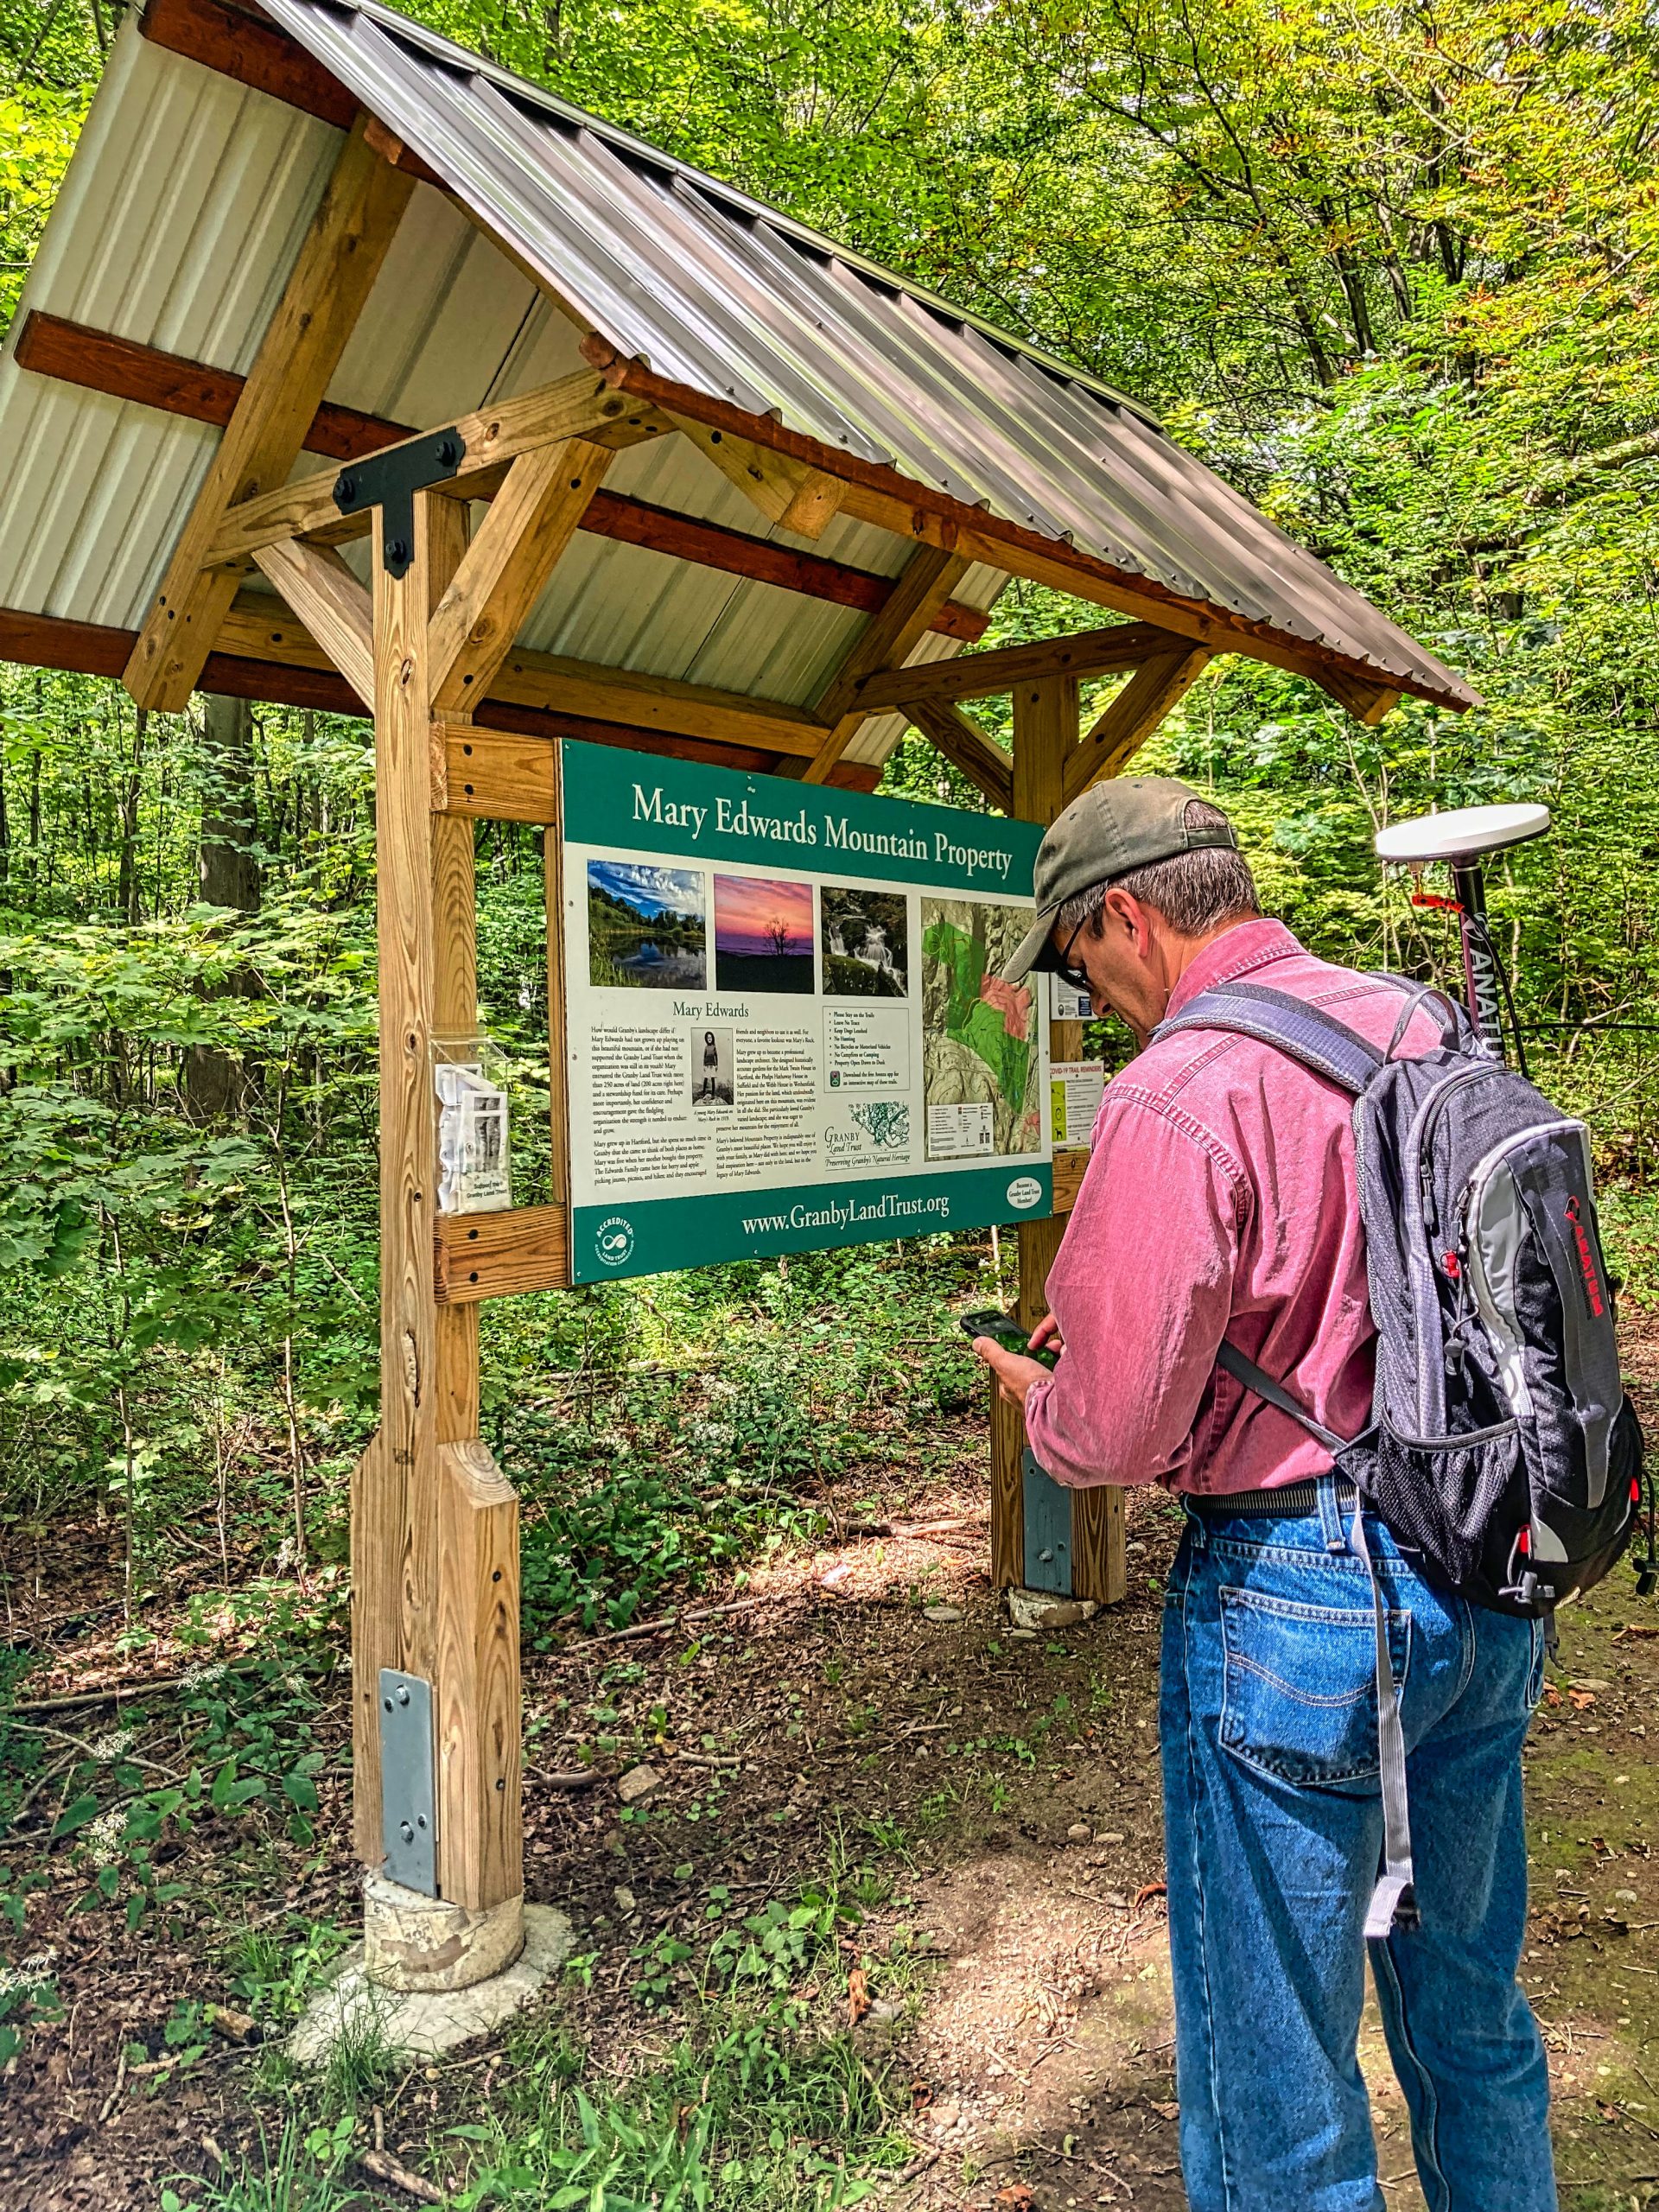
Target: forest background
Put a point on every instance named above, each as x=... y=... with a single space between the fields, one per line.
x=1392 y=269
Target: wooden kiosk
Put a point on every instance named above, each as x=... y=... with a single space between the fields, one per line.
x=356 y=373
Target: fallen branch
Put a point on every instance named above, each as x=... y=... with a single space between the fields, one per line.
x=76 y=1614
x=569 y=1779
x=122 y=1758
x=119 y=1690
x=395 y=2175
x=864 y=1531
x=114 y=2097
x=671 y=1621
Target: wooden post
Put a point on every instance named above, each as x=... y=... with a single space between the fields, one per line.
x=434 y=1526
x=1045 y=732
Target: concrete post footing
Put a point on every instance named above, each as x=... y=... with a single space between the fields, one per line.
x=411 y=1941
x=429 y=1974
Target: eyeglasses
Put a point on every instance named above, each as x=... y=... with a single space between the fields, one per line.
x=1077 y=977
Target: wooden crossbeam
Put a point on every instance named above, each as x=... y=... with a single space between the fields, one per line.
x=173 y=383
x=551 y=683
x=249 y=50
x=493 y=777
x=265 y=652
x=496 y=1254
x=74 y=353
x=1157 y=686
x=341 y=257
x=578 y=406
x=656 y=703
x=530 y=521
x=928 y=580
x=327 y=598
x=711 y=545
x=966 y=746
x=977 y=675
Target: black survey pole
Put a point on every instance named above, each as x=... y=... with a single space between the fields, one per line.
x=1479 y=968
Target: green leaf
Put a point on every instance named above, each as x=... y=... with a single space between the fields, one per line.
x=228 y=1793
x=76 y=1815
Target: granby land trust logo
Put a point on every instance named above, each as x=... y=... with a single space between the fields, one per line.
x=613 y=1241
x=1025 y=1192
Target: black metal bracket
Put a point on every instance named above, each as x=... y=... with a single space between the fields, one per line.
x=390 y=481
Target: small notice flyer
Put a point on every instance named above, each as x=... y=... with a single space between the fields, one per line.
x=1076 y=1090
x=785 y=1024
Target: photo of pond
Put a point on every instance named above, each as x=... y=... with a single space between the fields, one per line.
x=647 y=927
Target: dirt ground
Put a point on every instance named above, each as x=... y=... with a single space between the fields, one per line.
x=1008 y=1784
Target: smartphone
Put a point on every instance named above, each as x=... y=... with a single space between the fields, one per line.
x=1006 y=1331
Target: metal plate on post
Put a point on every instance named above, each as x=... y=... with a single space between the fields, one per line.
x=1048 y=1529
x=390 y=481
x=409 y=1811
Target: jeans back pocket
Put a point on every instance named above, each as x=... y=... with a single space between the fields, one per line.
x=1298 y=1698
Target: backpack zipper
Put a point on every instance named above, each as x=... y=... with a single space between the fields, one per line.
x=1422 y=1135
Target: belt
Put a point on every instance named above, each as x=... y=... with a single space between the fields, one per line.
x=1295 y=1502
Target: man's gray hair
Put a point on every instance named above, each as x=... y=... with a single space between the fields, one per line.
x=1194 y=891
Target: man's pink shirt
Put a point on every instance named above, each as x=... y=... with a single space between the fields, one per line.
x=1220 y=1199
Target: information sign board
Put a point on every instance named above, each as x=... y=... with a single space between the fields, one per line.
x=784 y=1027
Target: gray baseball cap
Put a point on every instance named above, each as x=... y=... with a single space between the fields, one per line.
x=1120 y=823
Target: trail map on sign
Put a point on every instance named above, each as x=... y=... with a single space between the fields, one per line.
x=980 y=1062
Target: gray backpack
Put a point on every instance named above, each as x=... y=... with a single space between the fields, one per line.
x=1502 y=1453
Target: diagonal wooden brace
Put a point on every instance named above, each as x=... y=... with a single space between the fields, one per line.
x=1157 y=685
x=338 y=263
x=788 y=493
x=967 y=748
x=930 y=577
x=532 y=520
x=335 y=608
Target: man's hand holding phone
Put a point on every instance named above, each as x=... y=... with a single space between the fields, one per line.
x=1016 y=1360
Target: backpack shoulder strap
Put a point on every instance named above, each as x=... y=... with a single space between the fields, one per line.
x=1229 y=1358
x=1304 y=1031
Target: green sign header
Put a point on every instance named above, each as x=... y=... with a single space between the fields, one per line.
x=637 y=801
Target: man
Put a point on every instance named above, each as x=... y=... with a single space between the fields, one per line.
x=1221 y=1202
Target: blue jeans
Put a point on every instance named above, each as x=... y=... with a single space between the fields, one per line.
x=1273 y=1824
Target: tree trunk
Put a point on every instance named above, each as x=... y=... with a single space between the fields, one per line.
x=228 y=875
x=127 y=889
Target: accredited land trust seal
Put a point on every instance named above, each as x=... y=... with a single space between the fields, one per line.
x=613 y=1241
x=1025 y=1192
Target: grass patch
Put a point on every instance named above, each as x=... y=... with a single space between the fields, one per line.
x=751 y=2105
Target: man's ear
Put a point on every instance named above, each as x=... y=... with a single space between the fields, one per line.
x=1132 y=918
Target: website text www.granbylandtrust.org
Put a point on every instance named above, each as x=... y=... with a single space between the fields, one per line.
x=840 y=1213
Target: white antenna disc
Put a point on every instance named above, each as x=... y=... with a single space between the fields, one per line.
x=1466 y=830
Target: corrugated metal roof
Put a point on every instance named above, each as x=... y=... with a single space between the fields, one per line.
x=183 y=212
x=720 y=294
x=179 y=220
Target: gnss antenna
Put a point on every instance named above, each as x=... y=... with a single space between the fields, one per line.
x=1461 y=840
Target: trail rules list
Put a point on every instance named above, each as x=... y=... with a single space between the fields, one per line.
x=785 y=1023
